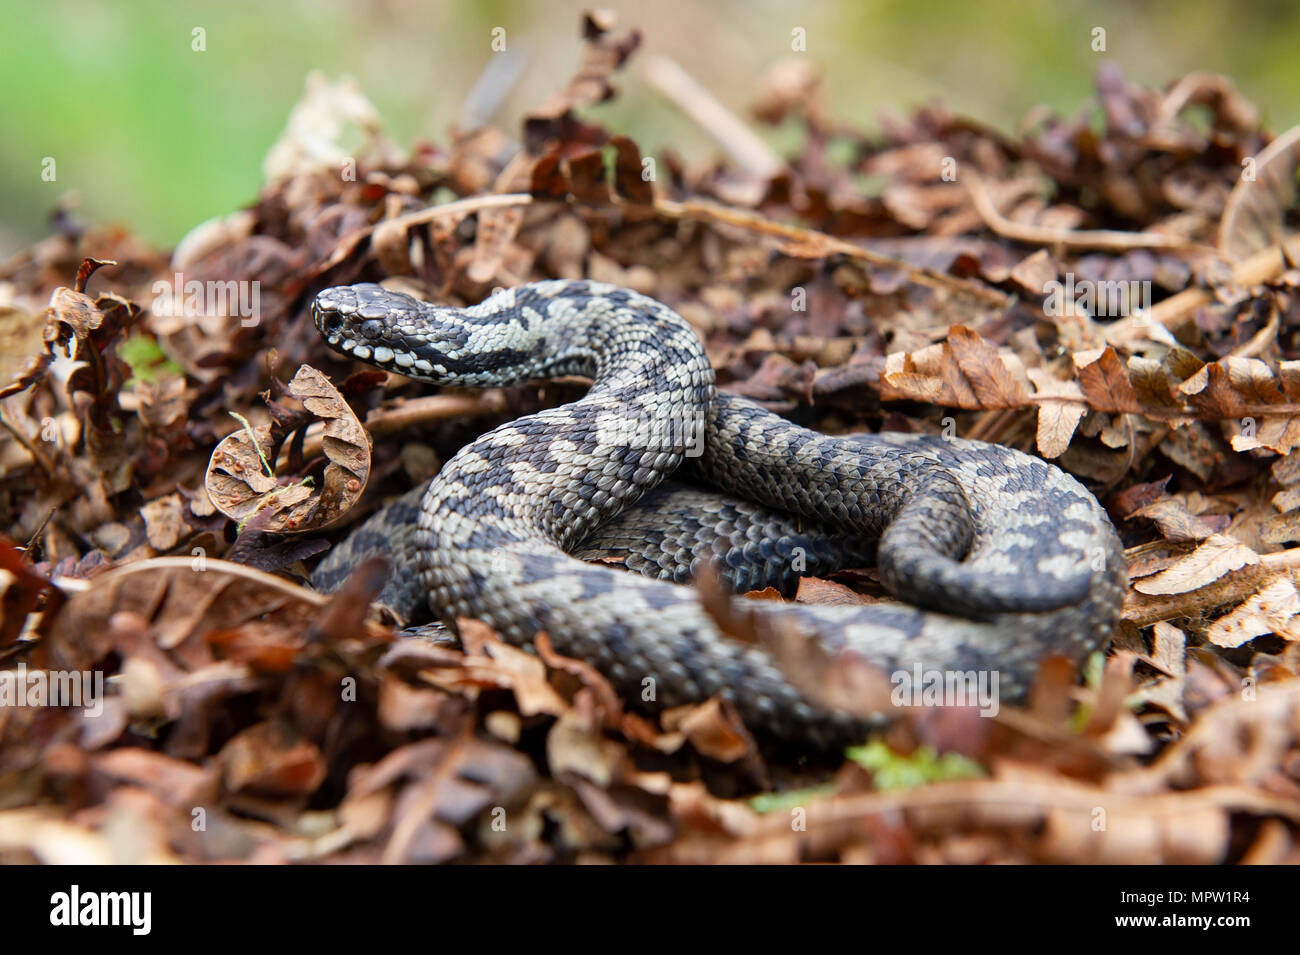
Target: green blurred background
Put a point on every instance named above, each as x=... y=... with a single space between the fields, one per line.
x=151 y=134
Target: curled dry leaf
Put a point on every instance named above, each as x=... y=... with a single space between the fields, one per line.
x=1254 y=217
x=74 y=308
x=241 y=485
x=91 y=331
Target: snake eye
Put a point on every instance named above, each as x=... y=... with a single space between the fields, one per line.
x=372 y=328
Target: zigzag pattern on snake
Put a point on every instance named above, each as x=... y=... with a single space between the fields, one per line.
x=996 y=558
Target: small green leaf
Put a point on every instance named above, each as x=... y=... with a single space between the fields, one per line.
x=146 y=359
x=892 y=770
x=1092 y=674
x=783 y=802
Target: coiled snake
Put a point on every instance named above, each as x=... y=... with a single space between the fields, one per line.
x=997 y=558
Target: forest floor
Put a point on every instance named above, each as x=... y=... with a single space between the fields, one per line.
x=1112 y=291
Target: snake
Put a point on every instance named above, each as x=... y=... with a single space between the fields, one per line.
x=993 y=559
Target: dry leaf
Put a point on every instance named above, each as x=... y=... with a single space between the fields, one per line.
x=1271 y=610
x=241 y=485
x=1105 y=382
x=1056 y=419
x=1219 y=555
x=1255 y=214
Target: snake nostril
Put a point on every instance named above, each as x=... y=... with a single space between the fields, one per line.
x=331 y=322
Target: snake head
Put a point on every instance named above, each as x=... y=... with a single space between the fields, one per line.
x=390 y=330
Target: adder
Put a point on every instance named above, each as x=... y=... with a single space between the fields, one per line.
x=994 y=557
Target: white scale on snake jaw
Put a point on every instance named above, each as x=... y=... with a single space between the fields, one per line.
x=953 y=495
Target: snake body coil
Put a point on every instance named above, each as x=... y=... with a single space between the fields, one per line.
x=997 y=557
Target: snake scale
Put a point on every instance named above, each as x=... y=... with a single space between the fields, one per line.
x=995 y=558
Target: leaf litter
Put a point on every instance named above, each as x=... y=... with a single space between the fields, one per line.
x=1120 y=300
